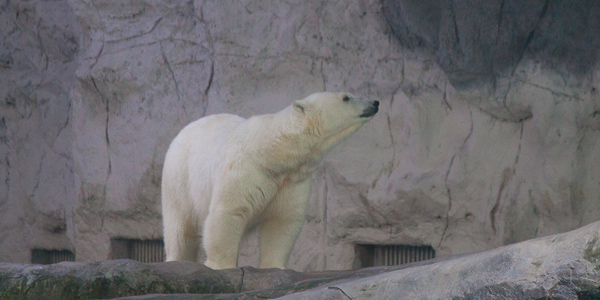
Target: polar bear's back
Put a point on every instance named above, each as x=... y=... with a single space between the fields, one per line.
x=190 y=162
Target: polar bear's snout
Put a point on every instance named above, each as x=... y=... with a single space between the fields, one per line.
x=370 y=110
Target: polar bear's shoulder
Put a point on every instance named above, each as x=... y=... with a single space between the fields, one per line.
x=210 y=128
x=216 y=120
x=213 y=123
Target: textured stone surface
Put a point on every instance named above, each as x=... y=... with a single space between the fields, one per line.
x=39 y=42
x=115 y=278
x=557 y=267
x=564 y=266
x=480 y=44
x=482 y=140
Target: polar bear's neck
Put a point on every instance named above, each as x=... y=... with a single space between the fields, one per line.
x=289 y=144
x=285 y=140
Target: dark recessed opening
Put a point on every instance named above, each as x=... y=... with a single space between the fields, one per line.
x=390 y=255
x=146 y=251
x=46 y=257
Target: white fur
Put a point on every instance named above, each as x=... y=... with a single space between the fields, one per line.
x=224 y=174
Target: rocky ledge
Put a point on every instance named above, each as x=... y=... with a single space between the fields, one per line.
x=563 y=266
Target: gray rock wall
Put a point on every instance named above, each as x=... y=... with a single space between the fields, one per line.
x=39 y=43
x=470 y=151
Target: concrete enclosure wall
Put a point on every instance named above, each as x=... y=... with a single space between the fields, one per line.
x=488 y=131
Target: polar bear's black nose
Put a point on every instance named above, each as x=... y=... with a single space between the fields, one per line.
x=376 y=104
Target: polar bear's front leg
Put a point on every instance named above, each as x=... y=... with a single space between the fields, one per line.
x=283 y=221
x=223 y=231
x=234 y=205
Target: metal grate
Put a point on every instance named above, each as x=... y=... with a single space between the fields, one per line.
x=46 y=257
x=390 y=255
x=146 y=251
x=149 y=251
x=398 y=255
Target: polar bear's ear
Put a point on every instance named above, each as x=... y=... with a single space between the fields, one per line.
x=299 y=106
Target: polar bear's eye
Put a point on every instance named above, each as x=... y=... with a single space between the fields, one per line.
x=346 y=98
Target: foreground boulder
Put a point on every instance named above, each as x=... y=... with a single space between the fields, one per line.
x=563 y=266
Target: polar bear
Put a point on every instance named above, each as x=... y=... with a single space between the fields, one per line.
x=224 y=174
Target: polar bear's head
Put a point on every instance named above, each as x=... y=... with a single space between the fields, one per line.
x=335 y=114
